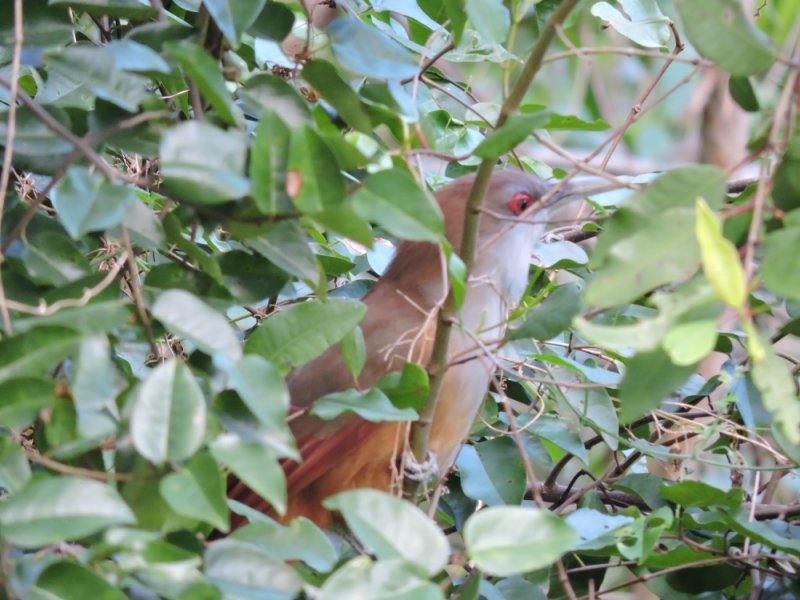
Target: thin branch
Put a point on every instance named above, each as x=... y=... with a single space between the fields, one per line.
x=80 y=144
x=579 y=52
x=429 y=63
x=43 y=310
x=5 y=175
x=136 y=289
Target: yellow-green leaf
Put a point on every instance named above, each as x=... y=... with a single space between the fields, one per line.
x=720 y=261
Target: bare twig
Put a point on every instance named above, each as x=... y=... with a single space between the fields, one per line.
x=136 y=289
x=5 y=175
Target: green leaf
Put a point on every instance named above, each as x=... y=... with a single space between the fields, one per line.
x=256 y=465
x=299 y=334
x=88 y=202
x=659 y=252
x=21 y=400
x=35 y=352
x=394 y=200
x=354 y=351
x=286 y=246
x=781 y=266
x=264 y=93
x=688 y=343
x=776 y=384
x=246 y=571
x=233 y=17
x=492 y=471
x=273 y=23
x=697 y=493
x=312 y=162
x=301 y=540
x=261 y=387
x=125 y=9
x=649 y=378
x=490 y=18
x=198 y=492
x=722 y=32
x=742 y=92
x=365 y=50
x=643 y=22
x=507 y=540
x=551 y=316
x=768 y=533
x=393 y=528
x=329 y=84
x=269 y=159
x=720 y=260
x=51 y=257
x=52 y=509
x=408 y=388
x=133 y=56
x=372 y=405
x=144 y=226
x=71 y=581
x=191 y=318
x=250 y=278
x=168 y=419
x=385 y=579
x=94 y=389
x=15 y=470
x=206 y=75
x=95 y=68
x=510 y=134
x=204 y=164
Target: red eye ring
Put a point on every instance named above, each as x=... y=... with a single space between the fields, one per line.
x=519 y=202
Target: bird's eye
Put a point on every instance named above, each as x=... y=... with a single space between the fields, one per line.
x=519 y=202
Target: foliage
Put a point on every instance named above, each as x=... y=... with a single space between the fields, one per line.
x=175 y=188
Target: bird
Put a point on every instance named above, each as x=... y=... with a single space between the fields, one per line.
x=399 y=326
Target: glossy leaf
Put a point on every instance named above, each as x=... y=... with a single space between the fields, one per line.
x=204 y=72
x=204 y=164
x=393 y=528
x=366 y=51
x=773 y=379
x=303 y=332
x=510 y=134
x=87 y=202
x=197 y=492
x=15 y=470
x=720 y=258
x=722 y=32
x=71 y=581
x=53 y=509
x=191 y=318
x=35 y=352
x=396 y=202
x=286 y=246
x=169 y=414
x=643 y=22
x=511 y=539
x=323 y=76
x=313 y=165
x=372 y=405
x=256 y=466
x=490 y=18
x=240 y=568
x=649 y=378
x=268 y=164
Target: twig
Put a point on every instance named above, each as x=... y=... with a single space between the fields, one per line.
x=579 y=52
x=43 y=310
x=136 y=289
x=429 y=63
x=782 y=113
x=5 y=175
x=79 y=143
